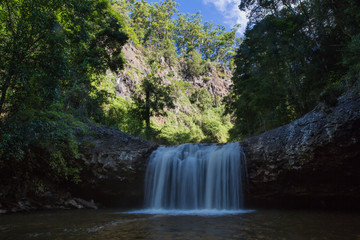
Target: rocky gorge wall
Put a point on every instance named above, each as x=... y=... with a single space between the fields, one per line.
x=217 y=81
x=313 y=162
x=114 y=165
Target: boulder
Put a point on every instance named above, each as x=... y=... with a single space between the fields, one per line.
x=311 y=162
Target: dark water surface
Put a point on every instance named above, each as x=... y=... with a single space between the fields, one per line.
x=115 y=224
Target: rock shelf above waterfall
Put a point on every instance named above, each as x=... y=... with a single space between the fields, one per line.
x=313 y=162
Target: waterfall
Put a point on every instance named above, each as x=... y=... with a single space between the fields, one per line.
x=196 y=176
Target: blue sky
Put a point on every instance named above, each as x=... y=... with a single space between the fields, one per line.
x=225 y=12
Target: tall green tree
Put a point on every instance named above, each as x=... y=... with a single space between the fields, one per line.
x=293 y=56
x=188 y=32
x=49 y=47
x=51 y=53
x=152 y=98
x=29 y=39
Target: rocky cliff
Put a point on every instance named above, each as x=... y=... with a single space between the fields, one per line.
x=114 y=165
x=217 y=80
x=311 y=162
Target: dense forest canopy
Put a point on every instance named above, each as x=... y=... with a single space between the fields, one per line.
x=295 y=54
x=165 y=32
x=51 y=54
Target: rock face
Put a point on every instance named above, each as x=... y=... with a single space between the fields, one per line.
x=311 y=162
x=114 y=165
x=216 y=81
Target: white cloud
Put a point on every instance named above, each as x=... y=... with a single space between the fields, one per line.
x=230 y=10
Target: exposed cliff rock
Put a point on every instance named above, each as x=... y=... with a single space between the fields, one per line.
x=217 y=81
x=113 y=167
x=311 y=162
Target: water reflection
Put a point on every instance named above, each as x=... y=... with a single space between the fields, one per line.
x=196 y=212
x=115 y=224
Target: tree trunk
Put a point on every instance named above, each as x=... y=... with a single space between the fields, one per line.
x=3 y=94
x=147 y=109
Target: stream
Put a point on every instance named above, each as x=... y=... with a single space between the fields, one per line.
x=123 y=224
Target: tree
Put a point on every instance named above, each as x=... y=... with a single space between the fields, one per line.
x=141 y=18
x=202 y=98
x=194 y=64
x=152 y=98
x=292 y=57
x=28 y=39
x=122 y=11
x=188 y=32
x=51 y=54
x=49 y=45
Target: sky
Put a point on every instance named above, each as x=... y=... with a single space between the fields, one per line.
x=225 y=12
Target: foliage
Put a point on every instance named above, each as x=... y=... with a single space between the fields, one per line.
x=195 y=119
x=165 y=37
x=121 y=113
x=122 y=10
x=351 y=60
x=294 y=54
x=330 y=94
x=52 y=48
x=202 y=98
x=152 y=99
x=194 y=64
x=38 y=147
x=52 y=53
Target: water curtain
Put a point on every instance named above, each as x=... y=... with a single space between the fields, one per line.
x=196 y=176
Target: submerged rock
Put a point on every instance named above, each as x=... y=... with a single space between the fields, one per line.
x=311 y=162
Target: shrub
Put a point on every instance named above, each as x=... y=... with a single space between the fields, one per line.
x=39 y=148
x=330 y=94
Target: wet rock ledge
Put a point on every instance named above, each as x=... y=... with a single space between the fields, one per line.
x=114 y=165
x=313 y=162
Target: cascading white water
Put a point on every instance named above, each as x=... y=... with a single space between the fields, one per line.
x=196 y=176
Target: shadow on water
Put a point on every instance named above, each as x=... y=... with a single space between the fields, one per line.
x=118 y=224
